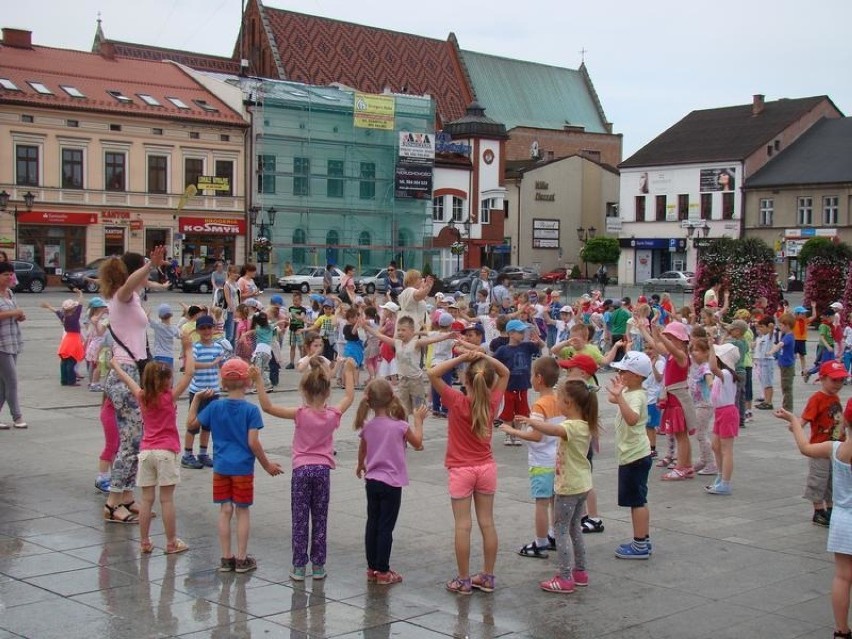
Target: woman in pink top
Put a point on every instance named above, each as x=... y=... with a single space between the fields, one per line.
x=313 y=460
x=381 y=460
x=159 y=452
x=121 y=280
x=472 y=470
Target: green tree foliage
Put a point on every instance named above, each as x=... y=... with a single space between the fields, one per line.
x=826 y=248
x=601 y=250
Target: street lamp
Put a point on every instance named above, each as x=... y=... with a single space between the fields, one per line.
x=584 y=235
x=29 y=198
x=702 y=226
x=262 y=242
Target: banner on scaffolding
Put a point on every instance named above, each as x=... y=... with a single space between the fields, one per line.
x=374 y=111
x=413 y=181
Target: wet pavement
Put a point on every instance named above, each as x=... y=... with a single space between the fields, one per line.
x=749 y=565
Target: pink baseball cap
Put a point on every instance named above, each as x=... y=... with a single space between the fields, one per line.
x=677 y=330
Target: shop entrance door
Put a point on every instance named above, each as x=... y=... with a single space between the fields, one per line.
x=114 y=240
x=644 y=265
x=156 y=237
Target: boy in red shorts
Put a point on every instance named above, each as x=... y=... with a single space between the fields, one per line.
x=234 y=423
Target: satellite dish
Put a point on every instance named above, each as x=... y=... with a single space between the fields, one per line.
x=534 y=154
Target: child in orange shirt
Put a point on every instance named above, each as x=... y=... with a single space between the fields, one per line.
x=800 y=331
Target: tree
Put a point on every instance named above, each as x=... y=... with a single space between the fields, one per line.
x=824 y=247
x=826 y=272
x=601 y=250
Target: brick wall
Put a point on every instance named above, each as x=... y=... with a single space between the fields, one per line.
x=562 y=144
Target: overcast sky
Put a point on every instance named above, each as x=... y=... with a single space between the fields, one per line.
x=651 y=63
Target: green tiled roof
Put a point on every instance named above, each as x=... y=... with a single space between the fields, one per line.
x=519 y=93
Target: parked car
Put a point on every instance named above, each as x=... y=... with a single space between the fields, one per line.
x=463 y=280
x=197 y=282
x=373 y=279
x=309 y=278
x=556 y=275
x=31 y=276
x=520 y=275
x=671 y=282
x=76 y=278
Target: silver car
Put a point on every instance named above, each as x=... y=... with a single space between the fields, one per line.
x=374 y=279
x=309 y=278
x=671 y=282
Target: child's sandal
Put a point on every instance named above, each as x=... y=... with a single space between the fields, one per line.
x=110 y=515
x=179 y=545
x=132 y=507
x=484 y=582
x=460 y=586
x=146 y=547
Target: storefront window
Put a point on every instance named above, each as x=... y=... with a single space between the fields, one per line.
x=53 y=247
x=113 y=240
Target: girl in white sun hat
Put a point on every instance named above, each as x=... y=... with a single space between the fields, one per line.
x=726 y=417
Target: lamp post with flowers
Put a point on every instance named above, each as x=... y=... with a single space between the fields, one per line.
x=262 y=245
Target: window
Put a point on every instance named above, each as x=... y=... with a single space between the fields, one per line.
x=334 y=185
x=72 y=168
x=224 y=137
x=26 y=162
x=193 y=168
x=727 y=206
x=485 y=211
x=298 y=246
x=805 y=211
x=7 y=84
x=612 y=209
x=194 y=135
x=225 y=169
x=158 y=171
x=640 y=208
x=438 y=209
x=458 y=209
x=114 y=171
x=40 y=88
x=115 y=127
x=118 y=95
x=27 y=118
x=767 y=209
x=683 y=207
x=660 y=210
x=367 y=185
x=594 y=156
x=206 y=106
x=266 y=174
x=180 y=104
x=150 y=100
x=156 y=132
x=706 y=206
x=74 y=92
x=829 y=210
x=365 y=240
x=72 y=123
x=301 y=176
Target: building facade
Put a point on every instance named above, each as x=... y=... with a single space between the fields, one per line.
x=108 y=147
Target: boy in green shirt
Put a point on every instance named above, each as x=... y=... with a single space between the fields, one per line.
x=825 y=348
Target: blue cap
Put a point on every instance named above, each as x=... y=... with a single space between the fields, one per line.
x=516 y=326
x=800 y=309
x=164 y=310
x=97 y=302
x=277 y=300
x=316 y=297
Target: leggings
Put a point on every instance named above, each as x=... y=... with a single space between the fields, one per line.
x=568 y=510
x=383 y=503
x=704 y=413
x=129 y=420
x=111 y=440
x=309 y=495
x=9 y=383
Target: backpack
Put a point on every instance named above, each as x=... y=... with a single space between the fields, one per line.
x=219 y=299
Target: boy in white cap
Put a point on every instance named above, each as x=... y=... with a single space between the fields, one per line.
x=165 y=334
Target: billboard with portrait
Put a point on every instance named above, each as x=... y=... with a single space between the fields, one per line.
x=718 y=180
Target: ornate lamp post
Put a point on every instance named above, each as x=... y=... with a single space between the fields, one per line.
x=262 y=242
x=29 y=198
x=584 y=235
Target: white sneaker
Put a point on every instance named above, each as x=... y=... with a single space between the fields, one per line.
x=19 y=423
x=4 y=426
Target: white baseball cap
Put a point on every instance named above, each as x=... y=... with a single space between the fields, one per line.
x=634 y=362
x=390 y=306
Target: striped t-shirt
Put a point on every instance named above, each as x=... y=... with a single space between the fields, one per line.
x=205 y=378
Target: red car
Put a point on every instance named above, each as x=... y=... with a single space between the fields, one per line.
x=556 y=275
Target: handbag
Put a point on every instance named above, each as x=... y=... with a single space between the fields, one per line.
x=140 y=363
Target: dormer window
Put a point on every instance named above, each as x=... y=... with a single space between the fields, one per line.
x=7 y=84
x=74 y=92
x=150 y=100
x=118 y=95
x=180 y=104
x=206 y=106
x=40 y=88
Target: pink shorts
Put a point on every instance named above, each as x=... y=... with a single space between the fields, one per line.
x=726 y=421
x=466 y=480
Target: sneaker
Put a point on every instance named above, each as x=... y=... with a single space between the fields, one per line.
x=205 y=460
x=749 y=417
x=580 y=577
x=19 y=423
x=297 y=573
x=388 y=578
x=188 y=460
x=245 y=565
x=289 y=367
x=629 y=551
x=507 y=441
x=589 y=525
x=558 y=584
x=4 y=426
x=227 y=564
x=532 y=550
x=96 y=388
x=708 y=470
x=653 y=454
x=820 y=518
x=517 y=442
x=551 y=543
x=764 y=406
x=318 y=572
x=719 y=488
x=371 y=575
x=102 y=484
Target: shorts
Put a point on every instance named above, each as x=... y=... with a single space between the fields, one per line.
x=411 y=392
x=296 y=339
x=201 y=405
x=633 y=483
x=541 y=483
x=726 y=421
x=466 y=480
x=801 y=347
x=165 y=360
x=158 y=468
x=767 y=372
x=234 y=489
x=653 y=417
x=818 y=484
x=514 y=403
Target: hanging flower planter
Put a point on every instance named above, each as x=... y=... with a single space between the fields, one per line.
x=458 y=248
x=262 y=245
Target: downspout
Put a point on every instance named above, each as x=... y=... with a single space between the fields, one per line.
x=518 y=232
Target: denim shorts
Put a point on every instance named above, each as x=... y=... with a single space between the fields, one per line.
x=633 y=483
x=541 y=484
x=653 y=417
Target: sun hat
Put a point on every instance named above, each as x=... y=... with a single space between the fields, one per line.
x=444 y=320
x=634 y=362
x=837 y=306
x=833 y=370
x=204 y=321
x=235 y=368
x=728 y=353
x=97 y=302
x=516 y=326
x=164 y=310
x=584 y=362
x=566 y=309
x=254 y=303
x=390 y=306
x=677 y=330
x=68 y=304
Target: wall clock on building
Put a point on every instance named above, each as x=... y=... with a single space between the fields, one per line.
x=488 y=156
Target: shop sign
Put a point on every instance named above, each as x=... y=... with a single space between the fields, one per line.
x=58 y=218
x=114 y=233
x=115 y=216
x=545 y=234
x=374 y=111
x=413 y=181
x=135 y=225
x=417 y=146
x=444 y=144
x=809 y=232
x=211 y=225
x=652 y=243
x=213 y=183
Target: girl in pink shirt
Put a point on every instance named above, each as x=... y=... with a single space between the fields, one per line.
x=381 y=460
x=313 y=460
x=472 y=470
x=159 y=451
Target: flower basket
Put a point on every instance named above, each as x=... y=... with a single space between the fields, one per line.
x=262 y=245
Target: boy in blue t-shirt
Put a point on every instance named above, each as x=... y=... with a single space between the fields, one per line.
x=208 y=355
x=235 y=423
x=786 y=358
x=517 y=356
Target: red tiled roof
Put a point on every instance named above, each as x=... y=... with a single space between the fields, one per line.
x=319 y=50
x=94 y=75
x=191 y=59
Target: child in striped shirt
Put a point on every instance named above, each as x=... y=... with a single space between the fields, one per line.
x=208 y=356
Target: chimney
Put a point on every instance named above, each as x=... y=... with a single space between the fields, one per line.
x=17 y=38
x=107 y=50
x=758 y=104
